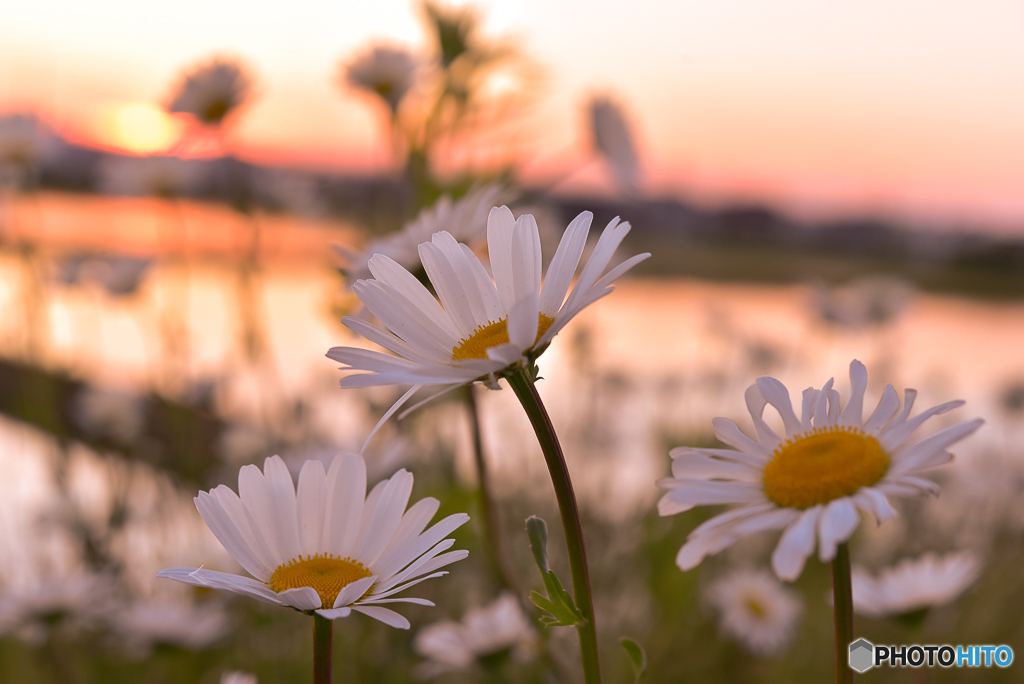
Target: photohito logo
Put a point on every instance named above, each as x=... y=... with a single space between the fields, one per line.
x=864 y=655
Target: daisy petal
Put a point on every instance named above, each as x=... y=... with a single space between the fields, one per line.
x=796 y=544
x=835 y=525
x=388 y=617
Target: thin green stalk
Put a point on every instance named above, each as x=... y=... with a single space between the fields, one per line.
x=322 y=643
x=522 y=384
x=487 y=507
x=842 y=593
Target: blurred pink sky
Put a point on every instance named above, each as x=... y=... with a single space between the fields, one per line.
x=913 y=109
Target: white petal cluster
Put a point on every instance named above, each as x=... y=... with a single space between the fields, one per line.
x=74 y=600
x=450 y=645
x=704 y=477
x=170 y=620
x=422 y=332
x=465 y=219
x=913 y=584
x=387 y=71
x=756 y=610
x=268 y=524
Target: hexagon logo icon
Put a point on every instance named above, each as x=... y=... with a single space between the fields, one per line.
x=862 y=655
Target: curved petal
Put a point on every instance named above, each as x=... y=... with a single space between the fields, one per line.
x=346 y=490
x=835 y=525
x=729 y=432
x=500 y=226
x=796 y=544
x=887 y=407
x=388 y=617
x=523 y=320
x=755 y=405
x=564 y=263
x=853 y=413
x=351 y=593
x=311 y=501
x=776 y=394
x=526 y=258
x=381 y=520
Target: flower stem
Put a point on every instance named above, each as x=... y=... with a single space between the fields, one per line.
x=522 y=384
x=842 y=592
x=487 y=507
x=322 y=643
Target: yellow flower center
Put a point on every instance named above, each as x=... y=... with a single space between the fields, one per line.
x=491 y=335
x=823 y=465
x=755 y=607
x=215 y=111
x=325 y=573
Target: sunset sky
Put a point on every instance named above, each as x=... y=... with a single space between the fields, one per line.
x=907 y=108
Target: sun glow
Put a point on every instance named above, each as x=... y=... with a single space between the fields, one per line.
x=140 y=128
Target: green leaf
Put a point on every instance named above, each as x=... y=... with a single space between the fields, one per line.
x=637 y=658
x=560 y=609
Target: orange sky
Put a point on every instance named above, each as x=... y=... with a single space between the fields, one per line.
x=915 y=109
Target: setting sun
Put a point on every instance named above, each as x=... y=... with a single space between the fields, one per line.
x=141 y=128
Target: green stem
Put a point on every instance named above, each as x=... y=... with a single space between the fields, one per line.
x=522 y=384
x=322 y=643
x=488 y=509
x=842 y=593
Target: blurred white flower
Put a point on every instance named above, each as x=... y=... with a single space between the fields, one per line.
x=24 y=144
x=242 y=443
x=612 y=139
x=292 y=191
x=109 y=413
x=387 y=71
x=157 y=176
x=168 y=620
x=72 y=602
x=211 y=92
x=238 y=677
x=485 y=631
x=328 y=548
x=756 y=610
x=863 y=302
x=118 y=275
x=465 y=219
x=914 y=584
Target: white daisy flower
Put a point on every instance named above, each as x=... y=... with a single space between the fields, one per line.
x=811 y=481
x=170 y=620
x=74 y=601
x=481 y=327
x=465 y=219
x=387 y=71
x=756 y=610
x=211 y=91
x=238 y=677
x=329 y=548
x=914 y=584
x=450 y=645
